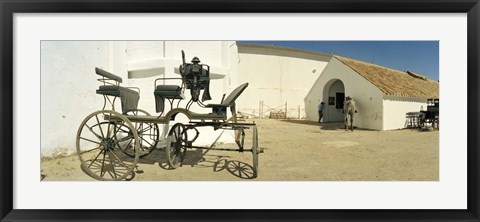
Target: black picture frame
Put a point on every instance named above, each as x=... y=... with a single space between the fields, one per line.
x=9 y=7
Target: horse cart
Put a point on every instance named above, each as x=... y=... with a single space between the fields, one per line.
x=431 y=115
x=109 y=143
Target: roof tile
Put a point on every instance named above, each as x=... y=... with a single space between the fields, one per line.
x=394 y=82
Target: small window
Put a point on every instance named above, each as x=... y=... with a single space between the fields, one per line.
x=331 y=101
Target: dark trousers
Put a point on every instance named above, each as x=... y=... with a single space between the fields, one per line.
x=320 y=115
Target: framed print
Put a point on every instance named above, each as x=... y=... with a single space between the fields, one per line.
x=292 y=159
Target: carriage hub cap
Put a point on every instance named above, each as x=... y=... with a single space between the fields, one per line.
x=107 y=144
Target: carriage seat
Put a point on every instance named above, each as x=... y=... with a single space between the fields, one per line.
x=229 y=101
x=169 y=91
x=111 y=90
x=129 y=98
x=231 y=97
x=163 y=92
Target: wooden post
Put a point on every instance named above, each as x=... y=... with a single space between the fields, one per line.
x=260 y=112
x=260 y=109
x=285 y=110
x=298 y=111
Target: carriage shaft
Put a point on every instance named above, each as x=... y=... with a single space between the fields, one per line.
x=222 y=149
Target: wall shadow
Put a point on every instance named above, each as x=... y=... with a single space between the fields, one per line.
x=301 y=121
x=323 y=126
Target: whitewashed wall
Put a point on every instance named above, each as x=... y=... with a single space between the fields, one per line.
x=277 y=76
x=69 y=81
x=149 y=60
x=68 y=84
x=395 y=109
x=368 y=98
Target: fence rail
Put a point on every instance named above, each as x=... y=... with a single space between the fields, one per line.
x=265 y=111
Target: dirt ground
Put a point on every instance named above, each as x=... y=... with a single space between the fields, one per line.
x=294 y=150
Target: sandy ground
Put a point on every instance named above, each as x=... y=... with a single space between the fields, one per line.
x=294 y=150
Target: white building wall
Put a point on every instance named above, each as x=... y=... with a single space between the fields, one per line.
x=277 y=76
x=395 y=110
x=68 y=84
x=149 y=60
x=69 y=81
x=368 y=98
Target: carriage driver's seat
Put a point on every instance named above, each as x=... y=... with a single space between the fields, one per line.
x=221 y=109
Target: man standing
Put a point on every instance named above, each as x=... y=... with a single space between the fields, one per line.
x=321 y=107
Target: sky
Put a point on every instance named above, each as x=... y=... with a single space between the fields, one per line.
x=416 y=56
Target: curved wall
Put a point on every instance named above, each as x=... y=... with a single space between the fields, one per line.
x=277 y=76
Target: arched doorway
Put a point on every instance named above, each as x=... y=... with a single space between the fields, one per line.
x=334 y=95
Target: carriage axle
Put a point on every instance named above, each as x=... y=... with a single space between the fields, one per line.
x=222 y=149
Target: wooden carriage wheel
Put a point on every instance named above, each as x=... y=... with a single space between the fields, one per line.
x=147 y=132
x=255 y=151
x=176 y=145
x=97 y=146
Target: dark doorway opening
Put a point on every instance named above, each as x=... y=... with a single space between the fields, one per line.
x=340 y=97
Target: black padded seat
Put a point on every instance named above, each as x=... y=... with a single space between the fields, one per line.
x=163 y=92
x=111 y=90
x=169 y=92
x=128 y=97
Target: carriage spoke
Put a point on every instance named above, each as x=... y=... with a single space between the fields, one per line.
x=115 y=133
x=151 y=145
x=89 y=140
x=120 y=161
x=124 y=139
x=103 y=164
x=99 y=126
x=94 y=133
x=86 y=151
x=142 y=130
x=109 y=123
x=130 y=142
x=112 y=162
x=235 y=170
x=95 y=159
x=124 y=131
x=240 y=173
x=109 y=173
x=95 y=164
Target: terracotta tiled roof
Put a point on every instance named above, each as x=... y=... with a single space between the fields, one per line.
x=394 y=82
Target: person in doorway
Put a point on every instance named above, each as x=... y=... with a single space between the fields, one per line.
x=321 y=107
